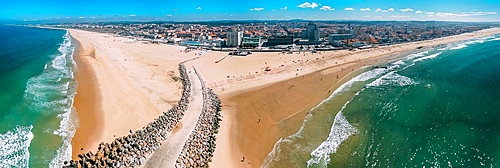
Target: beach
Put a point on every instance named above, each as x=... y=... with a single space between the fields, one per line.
x=124 y=84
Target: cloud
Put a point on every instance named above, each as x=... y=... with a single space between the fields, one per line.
x=349 y=9
x=326 y=8
x=284 y=8
x=380 y=10
x=462 y=14
x=418 y=12
x=406 y=10
x=256 y=9
x=365 y=9
x=308 y=5
x=131 y=15
x=478 y=13
x=445 y=14
x=174 y=10
x=399 y=16
x=366 y=16
x=198 y=8
x=170 y=15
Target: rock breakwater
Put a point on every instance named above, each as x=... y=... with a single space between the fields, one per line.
x=199 y=148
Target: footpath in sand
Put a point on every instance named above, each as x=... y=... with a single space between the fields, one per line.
x=168 y=153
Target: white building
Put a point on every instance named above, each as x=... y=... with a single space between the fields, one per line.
x=234 y=39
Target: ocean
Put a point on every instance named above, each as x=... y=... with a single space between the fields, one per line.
x=436 y=107
x=37 y=88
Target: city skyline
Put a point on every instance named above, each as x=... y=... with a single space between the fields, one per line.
x=57 y=10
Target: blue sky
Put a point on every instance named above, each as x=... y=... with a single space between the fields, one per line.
x=198 y=10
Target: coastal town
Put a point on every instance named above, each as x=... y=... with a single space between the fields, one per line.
x=292 y=35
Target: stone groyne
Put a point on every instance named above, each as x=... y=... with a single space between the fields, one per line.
x=132 y=150
x=199 y=148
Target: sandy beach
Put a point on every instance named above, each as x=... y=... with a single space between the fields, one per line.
x=124 y=84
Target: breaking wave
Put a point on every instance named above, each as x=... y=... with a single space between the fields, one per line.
x=341 y=130
x=14 y=146
x=427 y=57
x=392 y=78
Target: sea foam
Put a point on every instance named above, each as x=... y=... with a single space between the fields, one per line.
x=69 y=119
x=393 y=79
x=14 y=146
x=427 y=57
x=341 y=130
x=416 y=55
x=53 y=91
x=464 y=44
x=365 y=76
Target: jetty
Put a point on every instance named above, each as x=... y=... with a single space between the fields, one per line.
x=167 y=155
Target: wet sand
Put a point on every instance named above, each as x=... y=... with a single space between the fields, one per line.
x=88 y=101
x=266 y=114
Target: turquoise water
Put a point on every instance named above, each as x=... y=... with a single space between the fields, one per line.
x=433 y=108
x=36 y=91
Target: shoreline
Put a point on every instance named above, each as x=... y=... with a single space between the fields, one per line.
x=86 y=101
x=302 y=93
x=244 y=105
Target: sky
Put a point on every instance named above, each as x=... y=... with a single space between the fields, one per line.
x=206 y=10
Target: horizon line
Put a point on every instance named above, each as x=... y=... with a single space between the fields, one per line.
x=88 y=20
